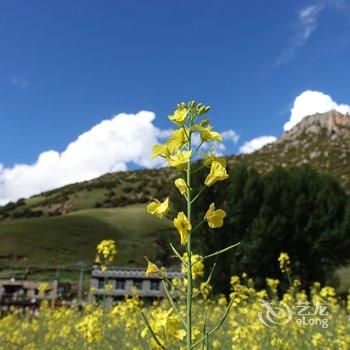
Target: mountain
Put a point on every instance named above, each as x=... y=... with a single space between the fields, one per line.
x=60 y=227
x=320 y=140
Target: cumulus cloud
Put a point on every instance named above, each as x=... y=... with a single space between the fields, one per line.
x=311 y=102
x=106 y=147
x=257 y=143
x=230 y=135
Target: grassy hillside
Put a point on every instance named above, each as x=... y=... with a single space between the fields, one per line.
x=63 y=226
x=62 y=241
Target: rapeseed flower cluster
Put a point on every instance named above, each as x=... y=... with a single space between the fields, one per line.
x=106 y=253
x=122 y=327
x=180 y=150
x=284 y=262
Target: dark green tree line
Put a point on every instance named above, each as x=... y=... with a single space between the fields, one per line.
x=295 y=210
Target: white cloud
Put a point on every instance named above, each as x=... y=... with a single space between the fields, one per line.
x=108 y=146
x=19 y=82
x=257 y=143
x=230 y=135
x=304 y=25
x=311 y=102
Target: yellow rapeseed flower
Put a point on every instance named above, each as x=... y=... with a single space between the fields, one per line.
x=214 y=217
x=179 y=116
x=210 y=158
x=197 y=265
x=284 y=262
x=107 y=251
x=43 y=288
x=177 y=139
x=180 y=159
x=217 y=173
x=153 y=269
x=159 y=209
x=160 y=151
x=181 y=185
x=207 y=134
x=183 y=226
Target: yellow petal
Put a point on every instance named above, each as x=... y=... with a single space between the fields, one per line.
x=217 y=173
x=183 y=226
x=210 y=158
x=214 y=217
x=180 y=159
x=152 y=269
x=179 y=116
x=159 y=209
x=159 y=150
x=177 y=139
x=181 y=185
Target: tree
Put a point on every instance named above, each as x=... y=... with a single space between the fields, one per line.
x=294 y=210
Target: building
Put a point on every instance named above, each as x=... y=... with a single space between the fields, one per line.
x=123 y=281
x=24 y=292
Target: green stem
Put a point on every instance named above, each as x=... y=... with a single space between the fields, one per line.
x=195 y=152
x=206 y=282
x=189 y=255
x=217 y=253
x=161 y=346
x=172 y=303
x=198 y=194
x=178 y=255
x=195 y=228
x=199 y=168
x=173 y=285
x=216 y=327
x=188 y=137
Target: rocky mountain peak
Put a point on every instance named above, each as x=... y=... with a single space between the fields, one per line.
x=331 y=124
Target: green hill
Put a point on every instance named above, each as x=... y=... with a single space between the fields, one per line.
x=60 y=227
x=62 y=241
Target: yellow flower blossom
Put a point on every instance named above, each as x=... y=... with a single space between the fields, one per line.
x=197 y=265
x=272 y=283
x=179 y=116
x=166 y=325
x=160 y=151
x=214 y=217
x=153 y=269
x=207 y=134
x=181 y=185
x=210 y=158
x=216 y=344
x=177 y=139
x=180 y=159
x=284 y=262
x=183 y=226
x=317 y=340
x=107 y=250
x=43 y=288
x=90 y=327
x=217 y=173
x=158 y=208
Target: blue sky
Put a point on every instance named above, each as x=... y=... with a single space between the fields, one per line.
x=67 y=65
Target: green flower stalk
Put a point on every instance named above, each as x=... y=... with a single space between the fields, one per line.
x=181 y=148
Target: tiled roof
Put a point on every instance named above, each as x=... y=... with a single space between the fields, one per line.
x=131 y=272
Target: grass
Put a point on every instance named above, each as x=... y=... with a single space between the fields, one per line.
x=62 y=241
